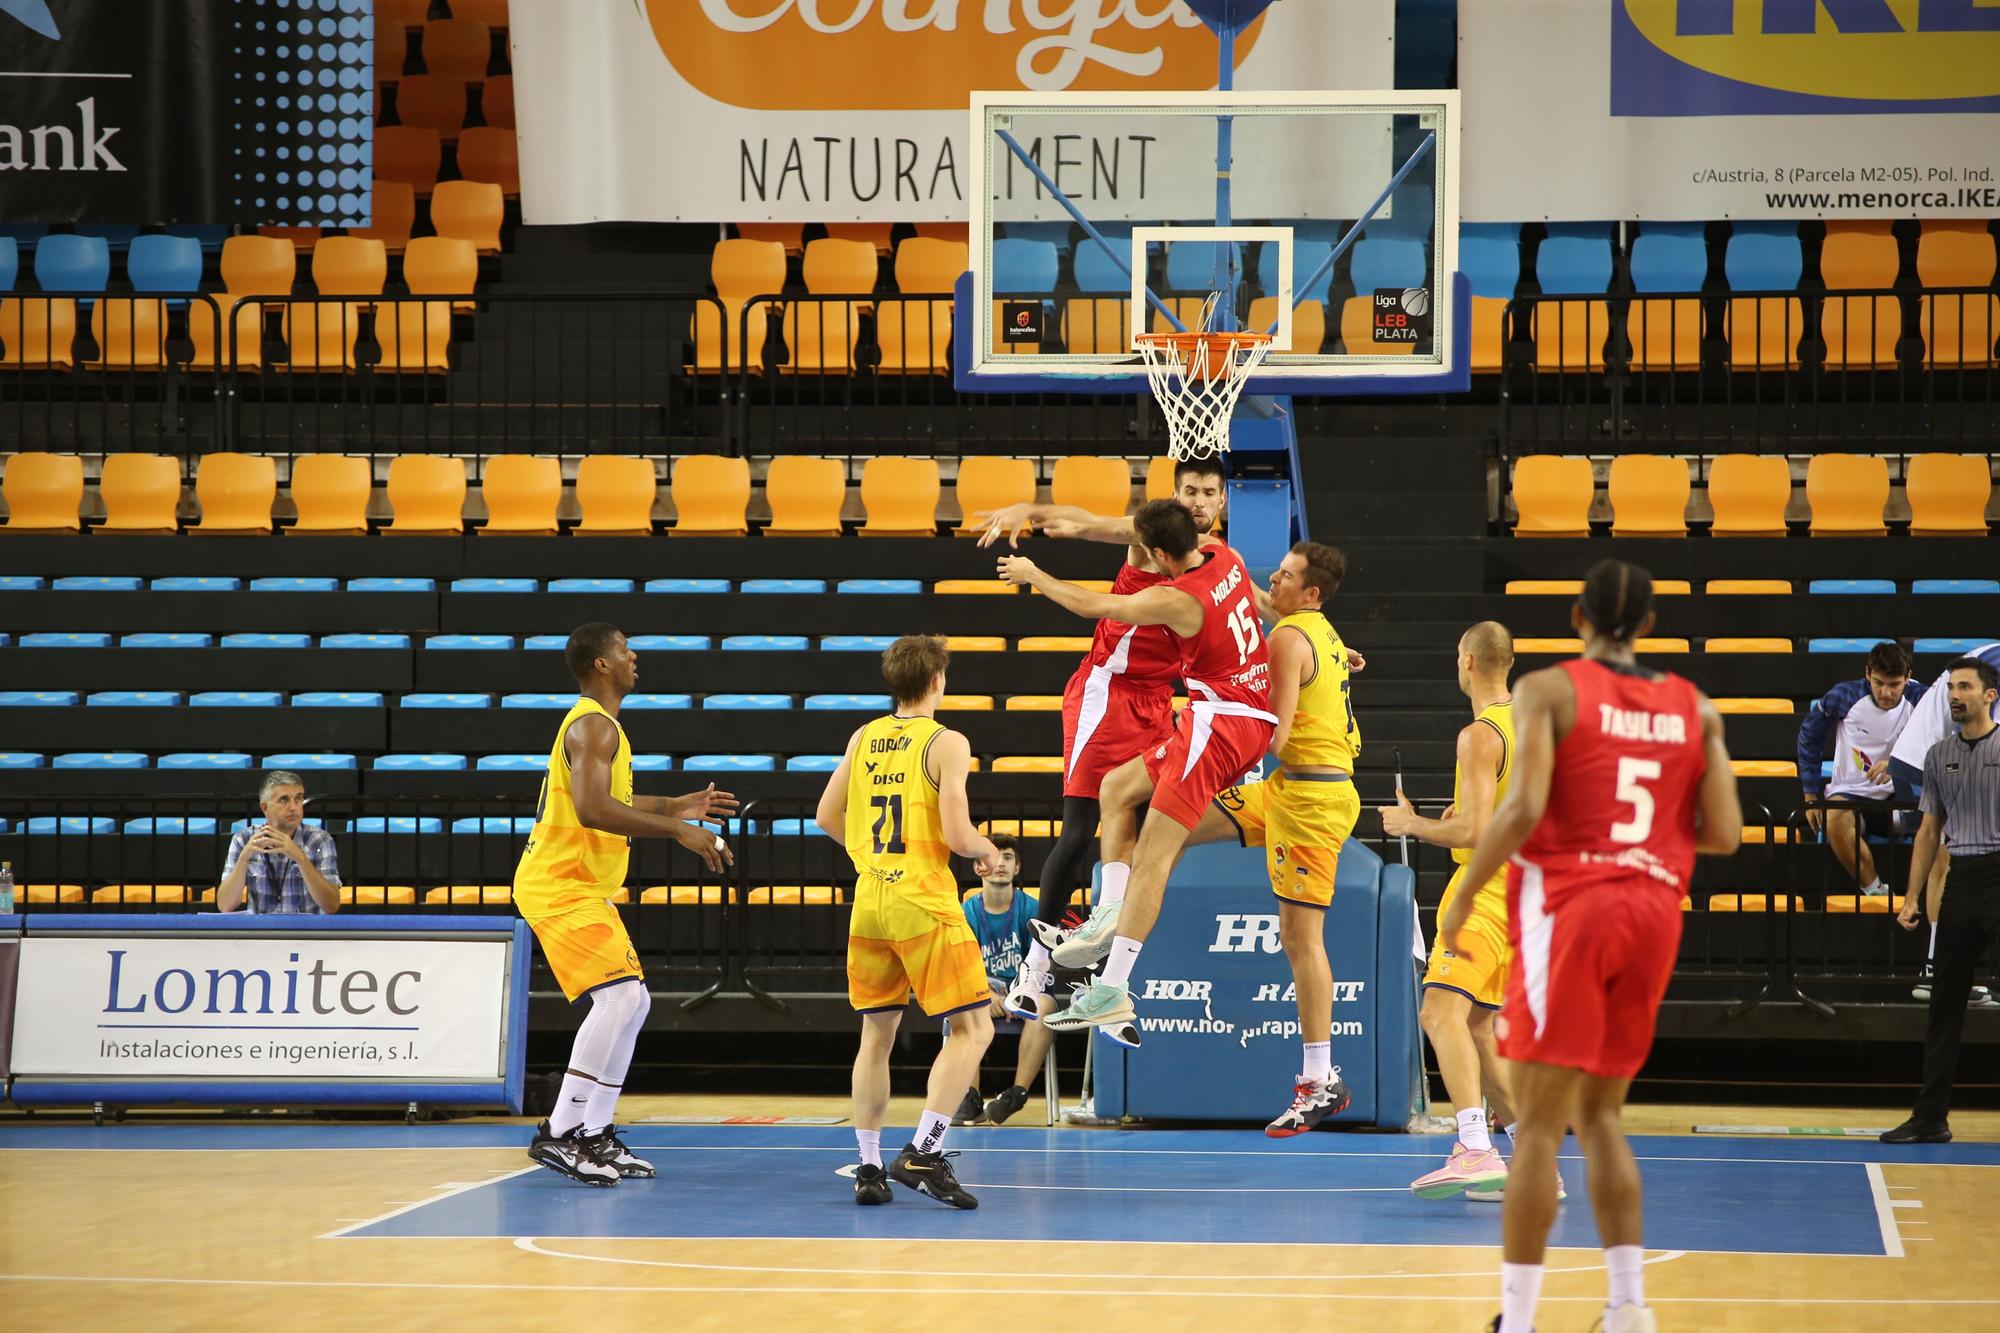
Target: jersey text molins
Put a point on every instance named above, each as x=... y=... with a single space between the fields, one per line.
x=1226 y=586
x=1657 y=728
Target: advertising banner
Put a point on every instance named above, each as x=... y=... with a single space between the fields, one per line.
x=821 y=110
x=1705 y=109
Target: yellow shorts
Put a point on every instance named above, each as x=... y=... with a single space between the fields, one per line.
x=1480 y=976
x=1301 y=823
x=905 y=939
x=584 y=939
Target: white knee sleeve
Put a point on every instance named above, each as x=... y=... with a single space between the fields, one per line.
x=610 y=1030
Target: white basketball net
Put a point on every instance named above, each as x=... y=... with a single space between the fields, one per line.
x=1197 y=377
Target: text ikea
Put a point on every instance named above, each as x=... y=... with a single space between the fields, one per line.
x=228 y=990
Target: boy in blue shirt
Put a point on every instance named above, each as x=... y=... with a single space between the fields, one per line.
x=999 y=915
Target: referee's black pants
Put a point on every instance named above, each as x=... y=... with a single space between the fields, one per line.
x=1968 y=922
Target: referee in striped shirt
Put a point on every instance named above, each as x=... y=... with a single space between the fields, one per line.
x=1961 y=802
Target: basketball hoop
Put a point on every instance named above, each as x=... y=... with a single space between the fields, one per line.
x=1197 y=378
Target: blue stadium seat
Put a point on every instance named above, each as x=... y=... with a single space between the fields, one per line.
x=391 y=585
x=155 y=639
x=10 y=262
x=1947 y=587
x=1669 y=262
x=65 y=263
x=729 y=763
x=1096 y=271
x=237 y=699
x=159 y=263
x=687 y=585
x=37 y=698
x=197 y=583
x=659 y=701
x=670 y=643
x=748 y=702
x=267 y=641
x=222 y=759
x=337 y=699
x=397 y=824
x=20 y=582
x=651 y=763
x=856 y=643
x=1306 y=257
x=423 y=763
x=469 y=642
x=172 y=826
x=784 y=585
x=494 y=824
x=590 y=585
x=365 y=641
x=5 y=639
x=495 y=585
x=1956 y=647
x=100 y=759
x=847 y=703
x=134 y=699
x=1024 y=266
x=310 y=761
x=1491 y=263
x=20 y=759
x=254 y=822
x=1387 y=261
x=72 y=825
x=1573 y=266
x=117 y=235
x=89 y=640
x=1759 y=262
x=545 y=643
x=1843 y=645
x=1826 y=770
x=447 y=700
x=561 y=702
x=98 y=583
x=511 y=763
x=812 y=763
x=764 y=643
x=880 y=587
x=1190 y=266
x=289 y=584
x=793 y=828
x=1852 y=587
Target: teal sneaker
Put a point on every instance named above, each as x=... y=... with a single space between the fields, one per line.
x=1102 y=1005
x=1088 y=944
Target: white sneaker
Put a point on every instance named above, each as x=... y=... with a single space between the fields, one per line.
x=1981 y=998
x=1879 y=891
x=1922 y=990
x=1090 y=942
x=1023 y=996
x=1629 y=1319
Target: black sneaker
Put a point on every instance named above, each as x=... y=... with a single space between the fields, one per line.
x=1008 y=1102
x=929 y=1173
x=568 y=1154
x=871 y=1186
x=1914 y=1130
x=1313 y=1100
x=611 y=1150
x=1922 y=990
x=970 y=1110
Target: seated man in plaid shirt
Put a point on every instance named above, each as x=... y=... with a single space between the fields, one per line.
x=285 y=865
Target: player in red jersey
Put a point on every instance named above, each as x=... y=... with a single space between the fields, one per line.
x=1210 y=607
x=1621 y=777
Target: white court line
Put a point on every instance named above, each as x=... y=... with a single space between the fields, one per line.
x=1906 y=1203
x=1885 y=1216
x=444 y=1192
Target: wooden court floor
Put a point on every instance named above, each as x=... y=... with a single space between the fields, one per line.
x=234 y=1227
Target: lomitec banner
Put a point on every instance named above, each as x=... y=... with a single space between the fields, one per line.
x=186 y=111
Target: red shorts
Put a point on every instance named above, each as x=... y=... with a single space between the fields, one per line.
x=1106 y=722
x=1205 y=754
x=1588 y=977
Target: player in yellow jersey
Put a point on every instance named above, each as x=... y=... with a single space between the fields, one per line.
x=1304 y=812
x=897 y=803
x=574 y=862
x=1461 y=995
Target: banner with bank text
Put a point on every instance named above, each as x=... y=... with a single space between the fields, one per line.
x=818 y=110
x=1702 y=109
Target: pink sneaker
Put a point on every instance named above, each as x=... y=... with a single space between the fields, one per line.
x=1462 y=1171
x=1493 y=1193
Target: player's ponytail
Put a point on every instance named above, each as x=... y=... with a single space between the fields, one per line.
x=1617 y=598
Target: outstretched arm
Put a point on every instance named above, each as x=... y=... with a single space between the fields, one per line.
x=1056 y=520
x=591 y=744
x=1158 y=605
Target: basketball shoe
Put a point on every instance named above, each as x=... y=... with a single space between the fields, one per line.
x=567 y=1154
x=1028 y=988
x=611 y=1150
x=1006 y=1104
x=1098 y=1004
x=1494 y=1193
x=1090 y=942
x=1464 y=1170
x=871 y=1186
x=971 y=1110
x=1313 y=1100
x=1628 y=1319
x=931 y=1174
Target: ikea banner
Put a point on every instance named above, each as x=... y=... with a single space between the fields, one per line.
x=1700 y=109
x=856 y=110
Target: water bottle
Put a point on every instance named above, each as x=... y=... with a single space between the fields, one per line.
x=6 y=888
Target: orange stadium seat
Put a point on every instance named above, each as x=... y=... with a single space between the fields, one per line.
x=1763 y=332
x=469 y=210
x=1489 y=333
x=966 y=703
x=442 y=266
x=1747 y=646
x=378 y=895
x=739 y=270
x=1666 y=335
x=522 y=494
x=1160 y=478
x=331 y=493
x=1553 y=494
x=458 y=48
x=1034 y=703
x=1748 y=493
x=820 y=336
x=1308 y=324
x=1569 y=335
x=432 y=102
x=493 y=13
x=496 y=101
x=1543 y=587
x=401 y=13
x=899 y=497
x=44 y=493
x=130 y=332
x=140 y=893
x=1848 y=493
x=914 y=337
x=1753 y=707
x=945 y=231
x=1748 y=588
x=1861 y=332
x=1649 y=496
x=410 y=154
x=392 y=51
x=426 y=496
x=299 y=238
x=350 y=266
x=37 y=333
x=320 y=336
x=1054 y=643
x=235 y=492
x=1555 y=646
x=1851 y=260
x=1098 y=485
x=1959 y=330
x=834 y=267
x=688 y=894
x=1028 y=763
x=711 y=495
x=415 y=336
x=791 y=235
x=395 y=213
x=805 y=495
x=1096 y=324
x=616 y=494
x=973 y=588
x=1948 y=494
x=876 y=234
x=259 y=266
x=929 y=267
x=975 y=643
x=986 y=483
x=141 y=493
x=1187 y=309
x=1951 y=257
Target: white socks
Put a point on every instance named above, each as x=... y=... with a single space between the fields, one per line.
x=1319 y=1060
x=1124 y=953
x=603 y=1107
x=572 y=1103
x=1111 y=883
x=1039 y=961
x=930 y=1131
x=1520 y=1289
x=1875 y=888
x=1508 y=1130
x=1627 y=1266
x=1472 y=1130
x=870 y=1143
